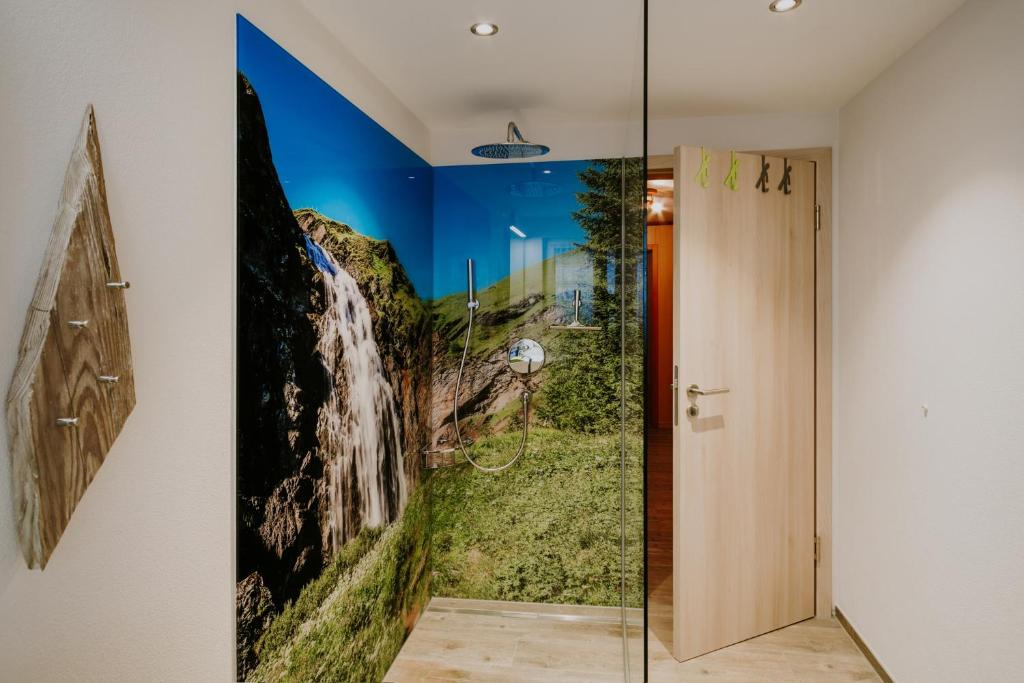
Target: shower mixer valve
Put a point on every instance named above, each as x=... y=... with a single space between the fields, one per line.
x=576 y=325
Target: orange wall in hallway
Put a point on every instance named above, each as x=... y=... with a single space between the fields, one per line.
x=659 y=324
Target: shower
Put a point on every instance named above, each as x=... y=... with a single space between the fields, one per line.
x=514 y=147
x=525 y=357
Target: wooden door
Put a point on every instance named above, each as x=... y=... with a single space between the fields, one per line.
x=743 y=469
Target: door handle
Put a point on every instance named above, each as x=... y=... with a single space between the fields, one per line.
x=675 y=394
x=695 y=392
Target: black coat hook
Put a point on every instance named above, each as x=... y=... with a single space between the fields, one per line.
x=786 y=169
x=762 y=182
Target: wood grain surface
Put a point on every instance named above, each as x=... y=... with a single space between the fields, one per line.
x=60 y=364
x=744 y=469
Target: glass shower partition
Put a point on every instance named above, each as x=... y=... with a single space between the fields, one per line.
x=557 y=539
x=408 y=561
x=558 y=536
x=542 y=564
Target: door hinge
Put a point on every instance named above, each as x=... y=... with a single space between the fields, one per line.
x=817 y=550
x=817 y=217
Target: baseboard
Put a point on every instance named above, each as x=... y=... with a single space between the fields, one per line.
x=862 y=646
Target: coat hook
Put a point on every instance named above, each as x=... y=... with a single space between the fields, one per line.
x=119 y=285
x=786 y=169
x=78 y=324
x=67 y=421
x=705 y=169
x=732 y=180
x=762 y=181
x=109 y=379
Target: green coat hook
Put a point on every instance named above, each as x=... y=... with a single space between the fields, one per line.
x=732 y=181
x=705 y=169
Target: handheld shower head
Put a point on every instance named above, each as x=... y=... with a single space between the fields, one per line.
x=471 y=301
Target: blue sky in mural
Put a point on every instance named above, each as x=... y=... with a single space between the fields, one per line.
x=476 y=205
x=332 y=157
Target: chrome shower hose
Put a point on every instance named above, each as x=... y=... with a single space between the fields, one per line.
x=458 y=385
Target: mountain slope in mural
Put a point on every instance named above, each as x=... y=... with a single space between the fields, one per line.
x=333 y=381
x=550 y=528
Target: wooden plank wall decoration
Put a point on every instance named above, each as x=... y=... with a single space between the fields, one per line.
x=73 y=386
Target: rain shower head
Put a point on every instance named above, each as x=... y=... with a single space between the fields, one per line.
x=515 y=147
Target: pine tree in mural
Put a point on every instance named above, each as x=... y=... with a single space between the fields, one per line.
x=583 y=391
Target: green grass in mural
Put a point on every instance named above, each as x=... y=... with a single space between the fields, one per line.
x=545 y=530
x=509 y=308
x=349 y=623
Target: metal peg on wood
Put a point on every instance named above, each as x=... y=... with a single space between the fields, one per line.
x=119 y=285
x=762 y=180
x=786 y=170
x=109 y=379
x=78 y=324
x=67 y=421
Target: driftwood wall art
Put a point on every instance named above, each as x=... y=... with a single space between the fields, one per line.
x=73 y=386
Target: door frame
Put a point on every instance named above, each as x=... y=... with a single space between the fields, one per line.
x=821 y=157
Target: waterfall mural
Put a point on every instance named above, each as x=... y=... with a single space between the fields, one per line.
x=333 y=377
x=366 y=483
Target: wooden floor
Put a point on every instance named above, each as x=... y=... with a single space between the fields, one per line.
x=477 y=641
x=470 y=640
x=509 y=642
x=813 y=651
x=659 y=535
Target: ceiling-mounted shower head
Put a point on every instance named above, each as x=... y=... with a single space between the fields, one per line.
x=515 y=147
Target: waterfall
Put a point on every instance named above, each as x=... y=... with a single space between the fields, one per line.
x=358 y=425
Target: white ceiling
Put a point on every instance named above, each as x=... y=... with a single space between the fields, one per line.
x=578 y=61
x=536 y=67
x=735 y=57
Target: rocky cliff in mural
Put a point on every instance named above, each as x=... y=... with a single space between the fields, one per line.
x=490 y=395
x=280 y=377
x=333 y=389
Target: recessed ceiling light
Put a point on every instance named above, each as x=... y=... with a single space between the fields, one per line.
x=484 y=28
x=784 y=5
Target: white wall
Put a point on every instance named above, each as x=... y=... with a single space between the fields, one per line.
x=141 y=586
x=613 y=139
x=929 y=511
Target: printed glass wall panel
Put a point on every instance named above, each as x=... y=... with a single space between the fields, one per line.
x=550 y=528
x=333 y=378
